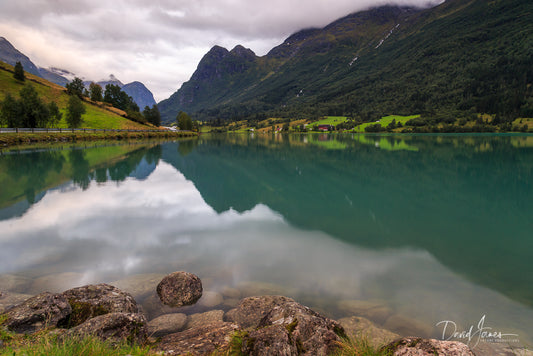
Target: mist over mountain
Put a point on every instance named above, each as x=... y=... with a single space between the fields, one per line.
x=455 y=59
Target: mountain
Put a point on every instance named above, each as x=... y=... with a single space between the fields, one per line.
x=10 y=55
x=140 y=94
x=137 y=90
x=455 y=59
x=53 y=77
x=96 y=116
x=111 y=80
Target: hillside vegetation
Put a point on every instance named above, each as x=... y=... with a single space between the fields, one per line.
x=454 y=61
x=97 y=116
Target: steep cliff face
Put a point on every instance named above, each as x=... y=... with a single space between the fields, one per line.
x=219 y=75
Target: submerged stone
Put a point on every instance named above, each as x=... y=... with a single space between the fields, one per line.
x=167 y=324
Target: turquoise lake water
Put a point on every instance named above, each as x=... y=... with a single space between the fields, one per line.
x=423 y=228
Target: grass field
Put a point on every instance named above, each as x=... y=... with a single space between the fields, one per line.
x=96 y=117
x=329 y=120
x=385 y=121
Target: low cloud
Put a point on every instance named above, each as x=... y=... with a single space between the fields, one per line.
x=159 y=42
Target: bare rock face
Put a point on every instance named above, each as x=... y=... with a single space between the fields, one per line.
x=115 y=327
x=251 y=310
x=203 y=340
x=179 y=288
x=308 y=331
x=39 y=312
x=93 y=300
x=167 y=324
x=415 y=346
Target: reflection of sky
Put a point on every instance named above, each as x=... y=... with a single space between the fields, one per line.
x=162 y=224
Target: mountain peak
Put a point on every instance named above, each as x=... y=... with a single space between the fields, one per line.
x=241 y=51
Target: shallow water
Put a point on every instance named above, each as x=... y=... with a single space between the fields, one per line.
x=423 y=229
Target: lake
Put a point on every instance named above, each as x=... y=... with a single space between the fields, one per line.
x=423 y=234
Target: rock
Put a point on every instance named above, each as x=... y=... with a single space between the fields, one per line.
x=14 y=284
x=167 y=324
x=231 y=303
x=310 y=332
x=251 y=310
x=231 y=293
x=56 y=283
x=374 y=311
x=37 y=313
x=153 y=307
x=203 y=319
x=415 y=346
x=361 y=327
x=202 y=340
x=210 y=299
x=407 y=326
x=114 y=327
x=273 y=340
x=179 y=288
x=500 y=348
x=94 y=300
x=139 y=285
x=8 y=300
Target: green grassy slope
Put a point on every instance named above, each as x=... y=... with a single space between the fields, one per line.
x=96 y=117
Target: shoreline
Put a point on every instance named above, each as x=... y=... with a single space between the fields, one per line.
x=17 y=139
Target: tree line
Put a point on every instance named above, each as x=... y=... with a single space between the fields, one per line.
x=116 y=97
x=31 y=111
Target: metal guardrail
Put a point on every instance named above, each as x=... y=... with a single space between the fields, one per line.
x=61 y=130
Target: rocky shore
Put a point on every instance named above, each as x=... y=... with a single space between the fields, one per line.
x=256 y=325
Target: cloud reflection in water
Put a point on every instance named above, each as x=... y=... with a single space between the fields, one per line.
x=163 y=224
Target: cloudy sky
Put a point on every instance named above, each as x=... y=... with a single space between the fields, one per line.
x=158 y=42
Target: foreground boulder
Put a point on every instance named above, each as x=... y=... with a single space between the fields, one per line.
x=179 y=288
x=113 y=327
x=203 y=340
x=43 y=310
x=415 y=346
x=93 y=300
x=293 y=329
x=250 y=311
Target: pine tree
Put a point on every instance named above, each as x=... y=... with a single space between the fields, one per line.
x=19 y=72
